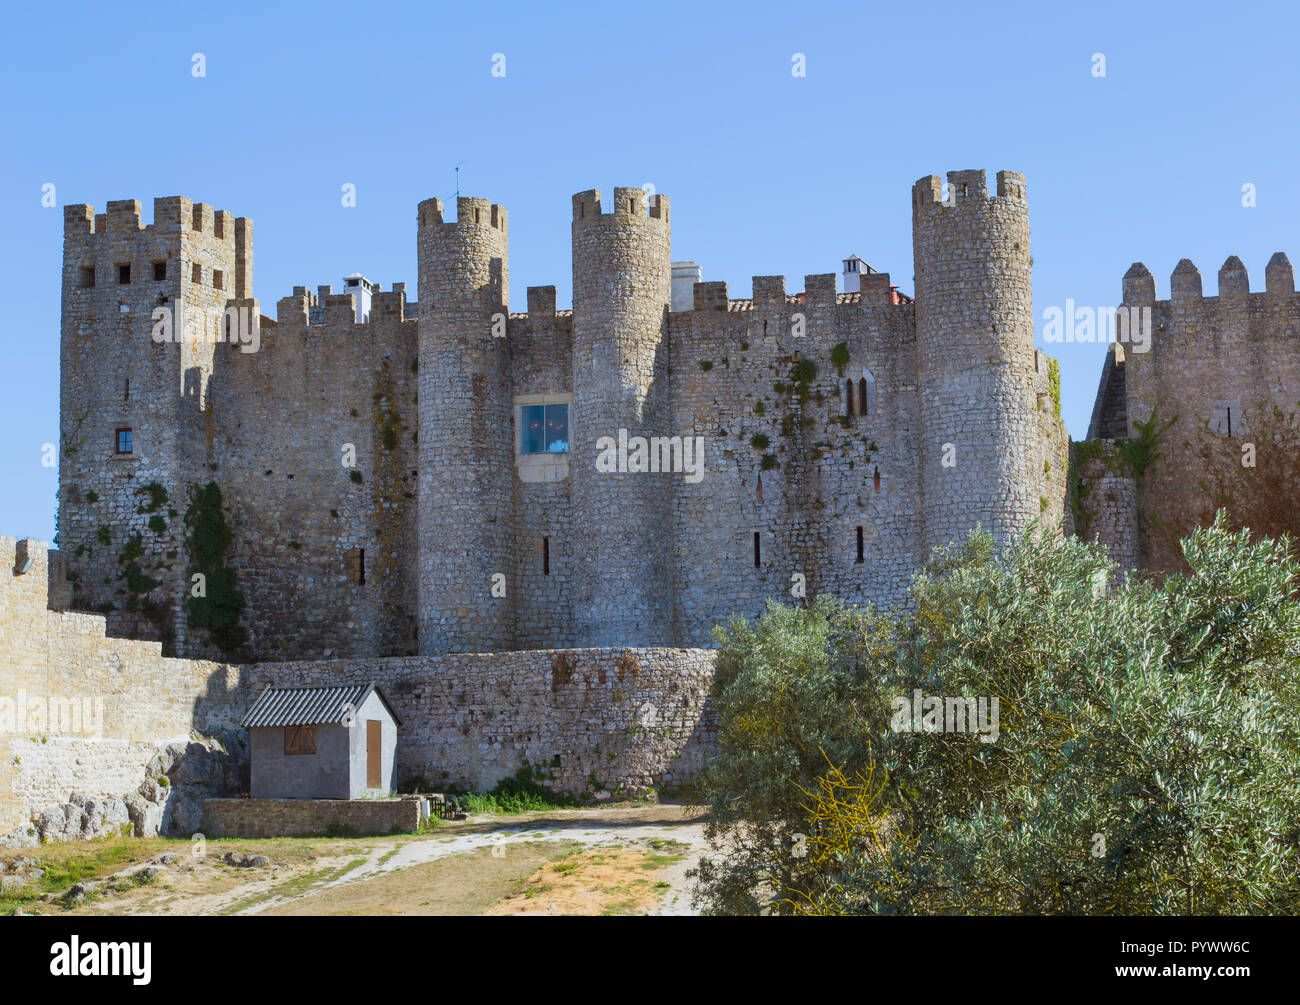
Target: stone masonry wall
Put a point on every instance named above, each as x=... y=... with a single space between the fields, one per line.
x=121 y=536
x=765 y=384
x=441 y=510
x=255 y=818
x=131 y=701
x=1217 y=367
x=314 y=446
x=980 y=447
x=586 y=720
x=1107 y=501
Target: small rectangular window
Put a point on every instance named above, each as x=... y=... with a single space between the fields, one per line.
x=86 y=277
x=758 y=551
x=860 y=546
x=354 y=561
x=196 y=273
x=545 y=429
x=123 y=275
x=546 y=556
x=216 y=279
x=159 y=271
x=300 y=739
x=123 y=441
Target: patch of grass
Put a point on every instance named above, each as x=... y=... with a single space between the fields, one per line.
x=520 y=793
x=78 y=862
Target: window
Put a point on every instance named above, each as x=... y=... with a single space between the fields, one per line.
x=124 y=441
x=159 y=271
x=758 y=551
x=216 y=279
x=545 y=429
x=86 y=277
x=546 y=556
x=1228 y=419
x=875 y=479
x=354 y=561
x=848 y=391
x=861 y=556
x=196 y=273
x=866 y=392
x=300 y=739
x=123 y=275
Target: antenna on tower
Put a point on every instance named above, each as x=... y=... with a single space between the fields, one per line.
x=458 y=181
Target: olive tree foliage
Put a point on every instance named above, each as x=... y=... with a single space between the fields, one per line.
x=1146 y=758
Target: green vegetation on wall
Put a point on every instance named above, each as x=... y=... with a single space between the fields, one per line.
x=207 y=540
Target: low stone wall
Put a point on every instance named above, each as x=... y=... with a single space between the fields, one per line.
x=259 y=818
x=595 y=722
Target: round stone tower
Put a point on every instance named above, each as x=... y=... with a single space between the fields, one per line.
x=465 y=441
x=622 y=287
x=975 y=357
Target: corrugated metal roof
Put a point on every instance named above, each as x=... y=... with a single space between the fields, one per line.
x=311 y=706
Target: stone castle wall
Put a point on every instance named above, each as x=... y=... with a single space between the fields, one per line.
x=587 y=720
x=129 y=699
x=1217 y=367
x=118 y=533
x=1107 y=501
x=609 y=720
x=314 y=445
x=442 y=537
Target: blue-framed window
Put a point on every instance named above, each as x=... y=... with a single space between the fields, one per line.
x=123 y=441
x=546 y=429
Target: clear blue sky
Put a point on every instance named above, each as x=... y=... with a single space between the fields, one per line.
x=768 y=173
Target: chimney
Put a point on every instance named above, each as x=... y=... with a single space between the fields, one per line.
x=685 y=276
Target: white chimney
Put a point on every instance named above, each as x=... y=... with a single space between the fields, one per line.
x=685 y=276
x=854 y=269
x=360 y=287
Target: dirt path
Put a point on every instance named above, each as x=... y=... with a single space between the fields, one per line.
x=606 y=861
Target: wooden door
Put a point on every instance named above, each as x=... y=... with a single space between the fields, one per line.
x=374 y=754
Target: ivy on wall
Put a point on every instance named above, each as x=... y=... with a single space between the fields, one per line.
x=207 y=540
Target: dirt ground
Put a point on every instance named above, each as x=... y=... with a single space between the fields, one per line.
x=607 y=861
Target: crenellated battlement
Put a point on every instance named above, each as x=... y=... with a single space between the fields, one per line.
x=303 y=308
x=819 y=291
x=967 y=187
x=628 y=202
x=172 y=214
x=1186 y=289
x=470 y=213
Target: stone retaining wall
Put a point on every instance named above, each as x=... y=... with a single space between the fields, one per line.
x=258 y=818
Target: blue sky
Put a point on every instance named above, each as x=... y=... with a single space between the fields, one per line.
x=768 y=173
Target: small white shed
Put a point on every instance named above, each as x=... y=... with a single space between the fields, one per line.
x=322 y=743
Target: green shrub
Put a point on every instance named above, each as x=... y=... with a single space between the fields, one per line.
x=1144 y=762
x=520 y=793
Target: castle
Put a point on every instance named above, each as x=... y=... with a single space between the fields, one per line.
x=390 y=478
x=523 y=526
